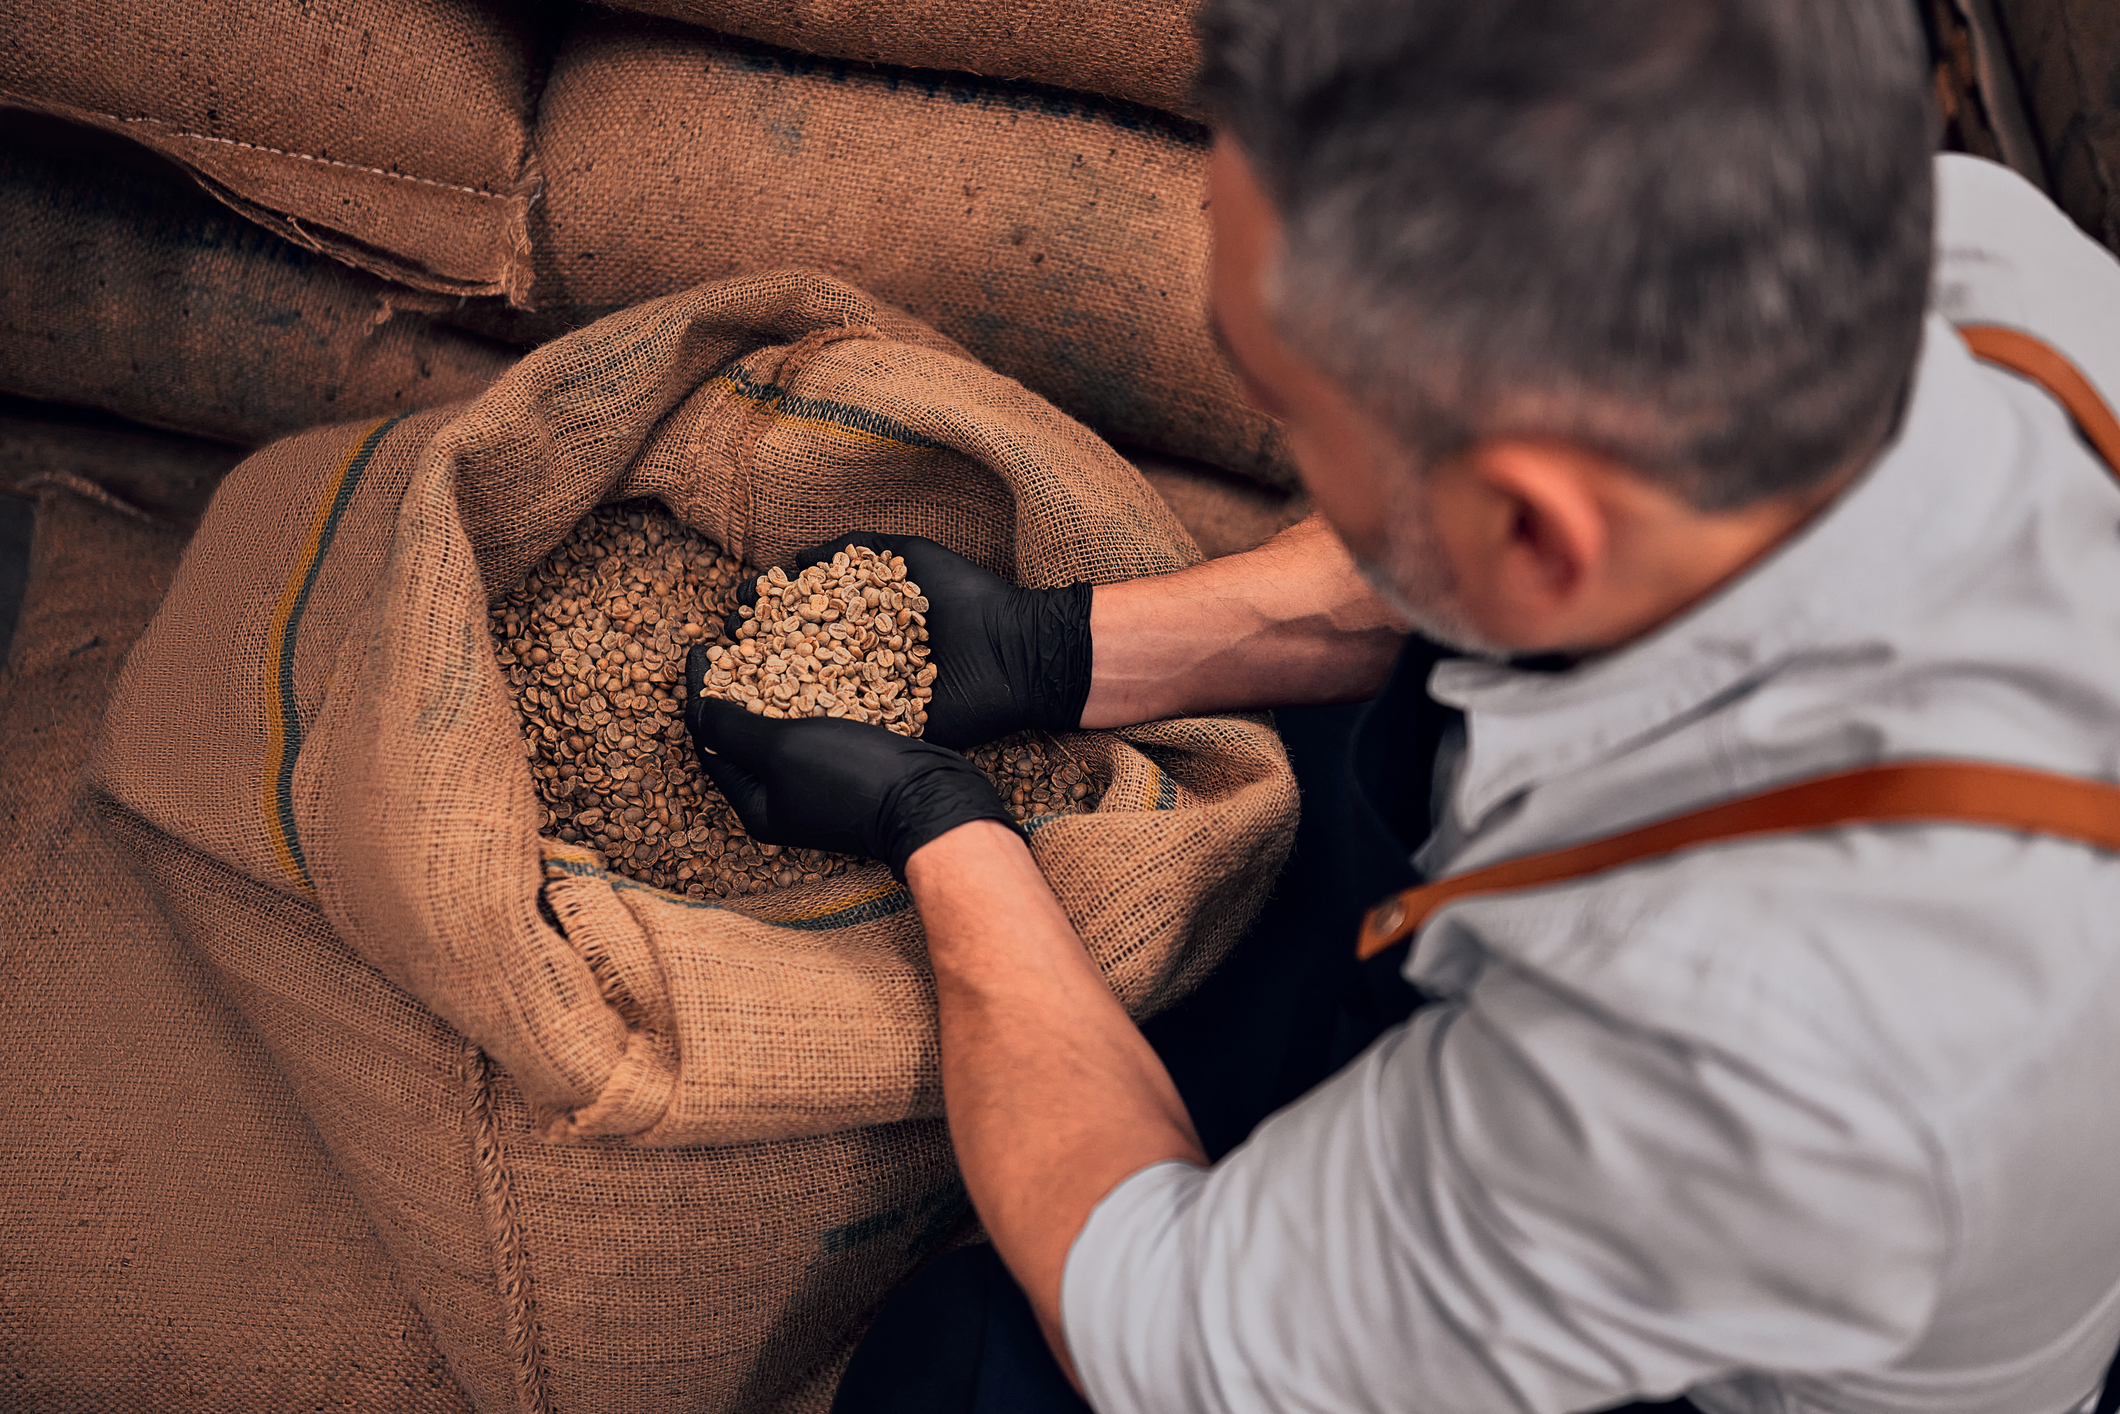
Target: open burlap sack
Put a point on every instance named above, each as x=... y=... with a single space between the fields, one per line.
x=122 y=287
x=630 y=1151
x=172 y=1235
x=390 y=133
x=1143 y=52
x=1062 y=239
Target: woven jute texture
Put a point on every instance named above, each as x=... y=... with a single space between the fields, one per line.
x=630 y=1151
x=2068 y=60
x=1225 y=515
x=1144 y=52
x=123 y=287
x=1061 y=239
x=391 y=133
x=172 y=1236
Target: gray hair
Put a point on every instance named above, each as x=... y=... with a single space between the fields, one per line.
x=1692 y=235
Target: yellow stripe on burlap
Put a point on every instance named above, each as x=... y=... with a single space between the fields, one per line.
x=283 y=723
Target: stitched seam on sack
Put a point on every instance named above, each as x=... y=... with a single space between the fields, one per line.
x=504 y=1230
x=283 y=721
x=758 y=420
x=177 y=131
x=866 y=424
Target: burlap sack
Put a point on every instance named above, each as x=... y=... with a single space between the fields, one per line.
x=164 y=477
x=1225 y=515
x=707 y=1139
x=391 y=133
x=2067 y=56
x=1977 y=90
x=122 y=287
x=1146 y=52
x=1061 y=239
x=172 y=1236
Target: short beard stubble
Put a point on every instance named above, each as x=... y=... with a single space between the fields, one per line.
x=1414 y=577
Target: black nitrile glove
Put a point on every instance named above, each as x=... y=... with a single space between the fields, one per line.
x=829 y=783
x=1006 y=659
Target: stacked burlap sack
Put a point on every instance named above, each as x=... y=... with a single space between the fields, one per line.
x=2067 y=57
x=392 y=134
x=627 y=1150
x=555 y=163
x=2035 y=84
x=1145 y=53
x=1062 y=239
x=124 y=287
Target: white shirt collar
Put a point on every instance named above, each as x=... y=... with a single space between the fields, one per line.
x=1846 y=570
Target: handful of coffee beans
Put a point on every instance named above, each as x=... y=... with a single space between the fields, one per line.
x=842 y=639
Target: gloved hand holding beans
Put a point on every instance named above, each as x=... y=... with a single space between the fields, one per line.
x=1007 y=658
x=833 y=784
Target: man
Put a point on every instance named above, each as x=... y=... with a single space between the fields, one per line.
x=1598 y=332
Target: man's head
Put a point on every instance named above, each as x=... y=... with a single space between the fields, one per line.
x=1570 y=306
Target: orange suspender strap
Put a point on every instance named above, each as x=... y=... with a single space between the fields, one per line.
x=1905 y=792
x=2045 y=365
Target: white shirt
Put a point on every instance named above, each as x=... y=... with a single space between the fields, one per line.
x=1827 y=1122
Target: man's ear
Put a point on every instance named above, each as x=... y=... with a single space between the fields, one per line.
x=1528 y=535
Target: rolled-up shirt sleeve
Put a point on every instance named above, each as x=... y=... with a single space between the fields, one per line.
x=1514 y=1202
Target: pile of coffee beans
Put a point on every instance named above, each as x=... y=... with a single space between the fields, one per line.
x=1036 y=776
x=593 y=643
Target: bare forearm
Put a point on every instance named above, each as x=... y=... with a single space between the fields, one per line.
x=1292 y=621
x=1053 y=1096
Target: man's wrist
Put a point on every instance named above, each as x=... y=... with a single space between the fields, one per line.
x=936 y=866
x=1123 y=688
x=981 y=899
